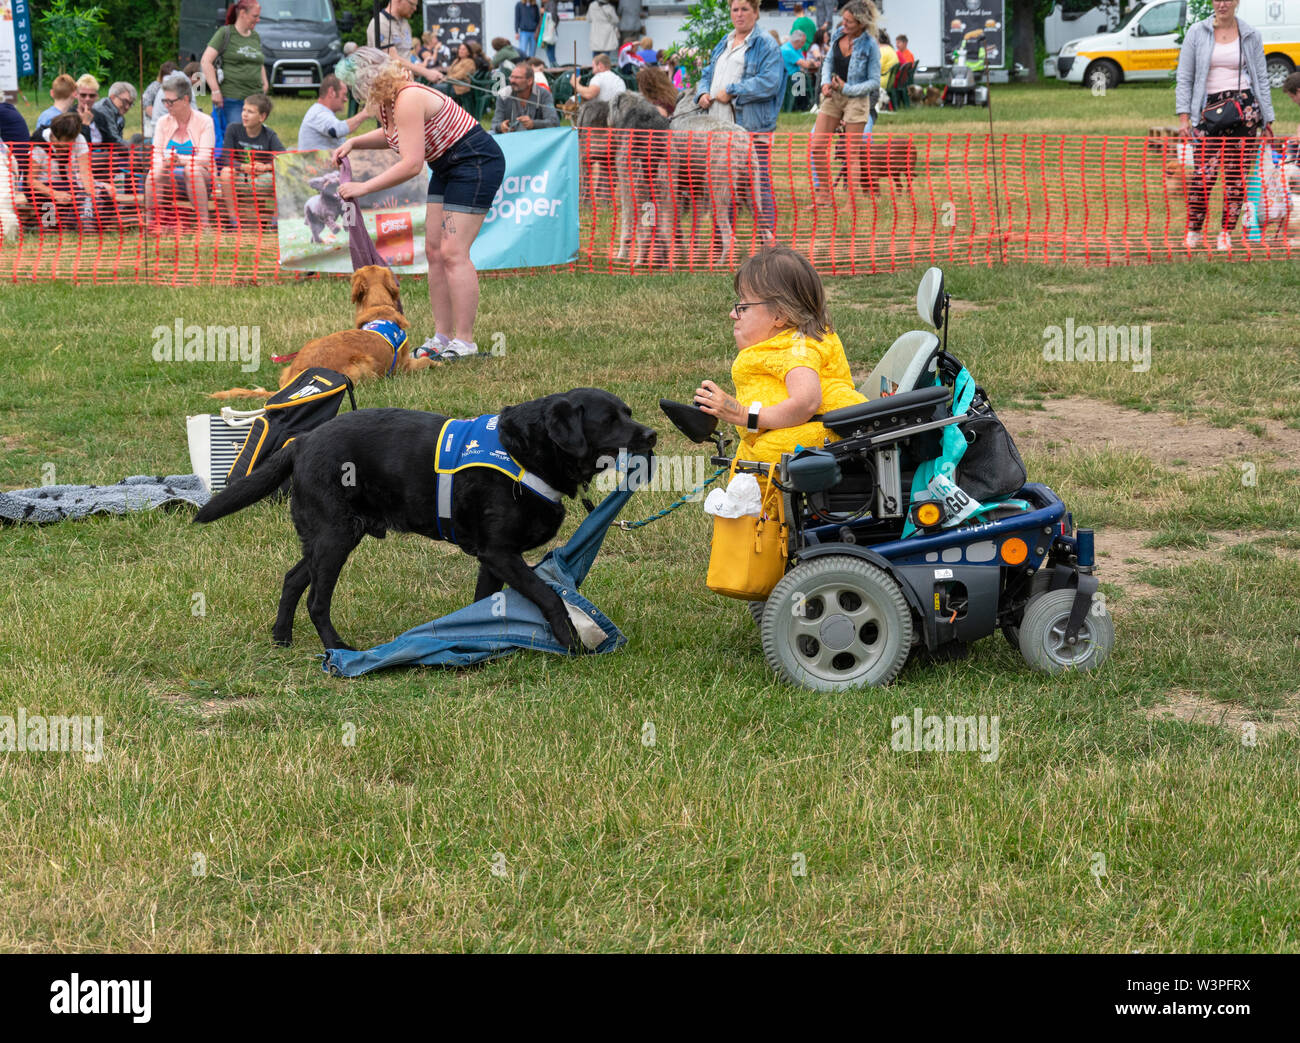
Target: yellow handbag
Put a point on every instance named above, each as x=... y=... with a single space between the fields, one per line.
x=749 y=554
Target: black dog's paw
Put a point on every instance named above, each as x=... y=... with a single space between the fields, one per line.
x=281 y=640
x=568 y=636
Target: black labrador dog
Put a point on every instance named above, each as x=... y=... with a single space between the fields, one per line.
x=372 y=470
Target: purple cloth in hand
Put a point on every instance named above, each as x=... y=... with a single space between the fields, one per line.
x=361 y=246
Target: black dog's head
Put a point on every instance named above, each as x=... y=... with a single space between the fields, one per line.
x=568 y=438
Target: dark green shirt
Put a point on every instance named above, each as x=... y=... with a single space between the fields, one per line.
x=241 y=62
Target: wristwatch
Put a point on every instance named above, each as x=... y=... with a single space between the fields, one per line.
x=752 y=425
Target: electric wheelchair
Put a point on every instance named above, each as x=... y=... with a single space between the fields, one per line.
x=887 y=550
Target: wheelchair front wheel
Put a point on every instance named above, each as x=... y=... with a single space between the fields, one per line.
x=836 y=623
x=1042 y=634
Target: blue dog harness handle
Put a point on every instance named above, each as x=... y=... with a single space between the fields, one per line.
x=391 y=332
x=476 y=443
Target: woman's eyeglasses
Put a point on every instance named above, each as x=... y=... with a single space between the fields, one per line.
x=740 y=307
x=169 y=102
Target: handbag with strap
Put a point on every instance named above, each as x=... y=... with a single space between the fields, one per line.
x=748 y=555
x=1226 y=116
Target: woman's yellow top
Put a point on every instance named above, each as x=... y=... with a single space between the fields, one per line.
x=759 y=374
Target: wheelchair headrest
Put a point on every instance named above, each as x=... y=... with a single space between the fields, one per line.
x=690 y=420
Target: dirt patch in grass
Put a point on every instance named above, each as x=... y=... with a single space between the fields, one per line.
x=207 y=709
x=1194 y=708
x=1122 y=554
x=1174 y=441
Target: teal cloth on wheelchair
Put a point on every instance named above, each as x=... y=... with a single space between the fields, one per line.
x=953 y=447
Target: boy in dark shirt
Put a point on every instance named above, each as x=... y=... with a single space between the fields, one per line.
x=248 y=149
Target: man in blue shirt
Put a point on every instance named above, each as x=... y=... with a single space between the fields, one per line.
x=321 y=127
x=791 y=51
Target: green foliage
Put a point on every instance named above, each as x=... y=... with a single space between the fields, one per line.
x=707 y=23
x=1197 y=10
x=142 y=31
x=71 y=39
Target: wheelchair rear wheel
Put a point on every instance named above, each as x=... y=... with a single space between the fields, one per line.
x=836 y=623
x=1042 y=635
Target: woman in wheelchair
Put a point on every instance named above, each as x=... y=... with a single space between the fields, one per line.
x=790 y=366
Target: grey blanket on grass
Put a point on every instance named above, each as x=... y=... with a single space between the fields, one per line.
x=141 y=492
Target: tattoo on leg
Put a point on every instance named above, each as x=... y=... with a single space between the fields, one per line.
x=448 y=225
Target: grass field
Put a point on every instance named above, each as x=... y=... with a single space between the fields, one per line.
x=1147 y=807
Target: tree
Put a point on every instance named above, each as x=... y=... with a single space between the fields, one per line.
x=706 y=23
x=70 y=38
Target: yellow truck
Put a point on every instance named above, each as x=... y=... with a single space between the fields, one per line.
x=1144 y=46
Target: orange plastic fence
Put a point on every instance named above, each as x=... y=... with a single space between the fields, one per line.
x=698 y=201
x=665 y=200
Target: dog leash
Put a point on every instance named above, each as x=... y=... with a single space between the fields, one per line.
x=681 y=501
x=686 y=112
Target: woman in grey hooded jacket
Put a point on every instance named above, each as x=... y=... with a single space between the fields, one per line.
x=1222 y=62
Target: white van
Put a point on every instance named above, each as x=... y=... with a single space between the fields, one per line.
x=1144 y=46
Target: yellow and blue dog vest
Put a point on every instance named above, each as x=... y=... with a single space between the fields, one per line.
x=475 y=443
x=391 y=332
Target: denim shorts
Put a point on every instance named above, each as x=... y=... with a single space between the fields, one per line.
x=466 y=177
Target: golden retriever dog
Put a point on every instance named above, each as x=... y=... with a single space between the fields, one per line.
x=361 y=353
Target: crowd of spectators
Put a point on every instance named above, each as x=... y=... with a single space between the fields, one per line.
x=211 y=160
x=73 y=169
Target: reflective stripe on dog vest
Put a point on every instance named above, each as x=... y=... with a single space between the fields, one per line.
x=391 y=332
x=475 y=443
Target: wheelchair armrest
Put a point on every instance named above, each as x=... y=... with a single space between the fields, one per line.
x=893 y=412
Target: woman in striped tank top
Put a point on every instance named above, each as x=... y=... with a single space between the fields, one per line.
x=467 y=167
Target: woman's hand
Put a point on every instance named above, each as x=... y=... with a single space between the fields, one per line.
x=217 y=99
x=336 y=157
x=1184 y=125
x=837 y=83
x=704 y=100
x=826 y=90
x=352 y=189
x=716 y=402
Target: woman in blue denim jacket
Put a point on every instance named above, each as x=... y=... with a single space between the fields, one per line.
x=850 y=80
x=744 y=82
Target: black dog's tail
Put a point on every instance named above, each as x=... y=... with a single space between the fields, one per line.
x=244 y=492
